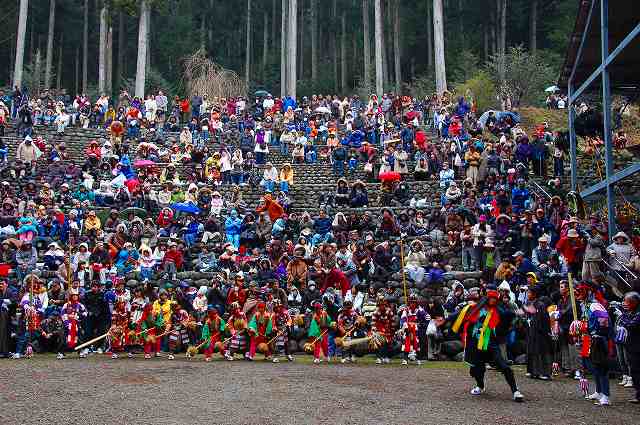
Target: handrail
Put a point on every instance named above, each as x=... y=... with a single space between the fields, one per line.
x=624 y=266
x=541 y=188
x=617 y=273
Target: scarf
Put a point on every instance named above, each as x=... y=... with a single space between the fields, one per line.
x=489 y=324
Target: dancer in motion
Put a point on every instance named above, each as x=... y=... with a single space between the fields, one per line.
x=212 y=330
x=481 y=325
x=320 y=324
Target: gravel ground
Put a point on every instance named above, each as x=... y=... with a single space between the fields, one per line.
x=158 y=391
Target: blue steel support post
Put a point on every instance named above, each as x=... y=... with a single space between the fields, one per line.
x=573 y=151
x=606 y=112
x=572 y=141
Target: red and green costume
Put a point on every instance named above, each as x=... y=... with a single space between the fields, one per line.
x=212 y=331
x=319 y=329
x=260 y=327
x=151 y=326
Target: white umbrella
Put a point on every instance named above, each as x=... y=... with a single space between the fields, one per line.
x=552 y=89
x=323 y=110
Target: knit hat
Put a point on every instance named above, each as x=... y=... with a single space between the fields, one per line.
x=504 y=286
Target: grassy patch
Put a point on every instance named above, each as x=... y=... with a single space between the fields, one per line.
x=558 y=119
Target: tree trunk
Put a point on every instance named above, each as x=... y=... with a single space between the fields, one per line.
x=12 y=58
x=143 y=34
x=385 y=55
x=533 y=26
x=274 y=21
x=37 y=74
x=102 y=49
x=314 y=41
x=301 y=29
x=485 y=45
x=413 y=68
x=149 y=41
x=265 y=43
x=31 y=47
x=396 y=45
x=343 y=52
x=493 y=34
x=292 y=48
x=353 y=62
x=109 y=62
x=503 y=26
x=121 y=49
x=334 y=43
x=22 y=32
x=210 y=32
x=49 y=61
x=502 y=31
x=77 y=82
x=59 y=69
x=85 y=47
x=367 y=45
x=429 y=37
x=438 y=42
x=203 y=31
x=379 y=47
x=283 y=49
x=247 y=58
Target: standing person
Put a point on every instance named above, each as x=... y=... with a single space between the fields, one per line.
x=178 y=330
x=382 y=323
x=480 y=325
x=630 y=322
x=472 y=158
x=151 y=326
x=592 y=254
x=237 y=325
x=413 y=322
x=539 y=343
x=594 y=328
x=213 y=328
x=566 y=343
x=161 y=103
x=281 y=327
x=318 y=330
x=7 y=300
x=119 y=331
x=260 y=328
x=571 y=247
x=196 y=102
x=97 y=312
x=346 y=326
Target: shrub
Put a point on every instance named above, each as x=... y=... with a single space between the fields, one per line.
x=481 y=88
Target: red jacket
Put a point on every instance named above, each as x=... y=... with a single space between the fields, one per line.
x=175 y=256
x=571 y=253
x=273 y=208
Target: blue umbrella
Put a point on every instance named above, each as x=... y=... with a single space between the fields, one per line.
x=499 y=114
x=186 y=207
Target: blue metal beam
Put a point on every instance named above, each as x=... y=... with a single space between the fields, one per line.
x=614 y=178
x=608 y=59
x=583 y=41
x=573 y=143
x=606 y=113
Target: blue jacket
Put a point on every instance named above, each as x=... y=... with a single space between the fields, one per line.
x=322 y=226
x=233 y=225
x=289 y=102
x=519 y=197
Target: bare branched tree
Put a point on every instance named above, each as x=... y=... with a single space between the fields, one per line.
x=203 y=76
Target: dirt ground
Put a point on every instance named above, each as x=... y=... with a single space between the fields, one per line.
x=99 y=390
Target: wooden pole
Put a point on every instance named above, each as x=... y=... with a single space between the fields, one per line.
x=572 y=295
